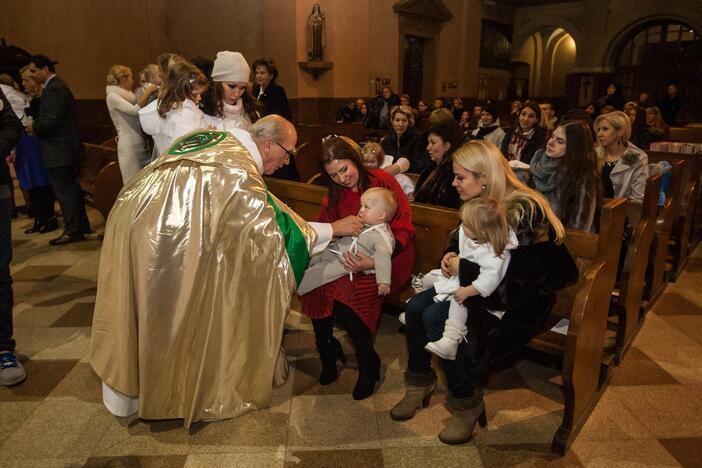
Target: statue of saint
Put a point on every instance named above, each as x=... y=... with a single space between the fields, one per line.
x=315 y=35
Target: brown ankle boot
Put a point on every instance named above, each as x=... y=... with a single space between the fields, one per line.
x=465 y=413
x=418 y=391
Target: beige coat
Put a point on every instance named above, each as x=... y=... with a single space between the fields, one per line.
x=194 y=284
x=629 y=180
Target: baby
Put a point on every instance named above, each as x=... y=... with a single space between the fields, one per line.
x=374 y=157
x=484 y=239
x=378 y=206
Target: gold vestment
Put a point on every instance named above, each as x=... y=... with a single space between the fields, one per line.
x=194 y=284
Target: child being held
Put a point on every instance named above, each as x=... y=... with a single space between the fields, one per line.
x=378 y=206
x=374 y=157
x=484 y=238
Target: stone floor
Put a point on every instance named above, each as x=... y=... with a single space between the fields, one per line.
x=651 y=414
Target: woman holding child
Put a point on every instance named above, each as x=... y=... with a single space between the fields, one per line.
x=538 y=266
x=356 y=302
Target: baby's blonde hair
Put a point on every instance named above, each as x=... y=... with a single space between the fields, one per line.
x=486 y=219
x=386 y=198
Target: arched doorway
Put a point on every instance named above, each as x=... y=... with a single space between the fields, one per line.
x=658 y=53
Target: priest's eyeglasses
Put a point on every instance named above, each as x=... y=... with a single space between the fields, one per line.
x=291 y=154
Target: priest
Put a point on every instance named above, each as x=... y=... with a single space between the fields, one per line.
x=197 y=271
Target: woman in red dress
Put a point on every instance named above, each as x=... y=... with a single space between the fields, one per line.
x=355 y=304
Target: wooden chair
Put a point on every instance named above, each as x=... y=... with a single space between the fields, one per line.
x=626 y=301
x=656 y=271
x=107 y=187
x=586 y=305
x=95 y=158
x=686 y=134
x=111 y=143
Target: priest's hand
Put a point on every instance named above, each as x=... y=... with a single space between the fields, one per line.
x=348 y=226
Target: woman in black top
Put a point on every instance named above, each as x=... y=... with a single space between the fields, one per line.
x=272 y=97
x=267 y=91
x=403 y=143
x=434 y=184
x=521 y=142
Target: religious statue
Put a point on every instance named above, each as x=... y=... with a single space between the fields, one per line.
x=315 y=35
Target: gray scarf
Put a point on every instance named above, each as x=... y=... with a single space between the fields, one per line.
x=543 y=174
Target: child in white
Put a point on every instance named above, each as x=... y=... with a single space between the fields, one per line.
x=374 y=158
x=485 y=239
x=378 y=206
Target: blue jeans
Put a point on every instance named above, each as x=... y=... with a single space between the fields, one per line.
x=6 y=298
x=425 y=322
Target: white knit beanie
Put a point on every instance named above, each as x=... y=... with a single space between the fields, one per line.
x=231 y=66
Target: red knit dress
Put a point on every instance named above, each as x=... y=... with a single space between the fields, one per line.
x=361 y=294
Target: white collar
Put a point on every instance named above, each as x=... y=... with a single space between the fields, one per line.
x=245 y=138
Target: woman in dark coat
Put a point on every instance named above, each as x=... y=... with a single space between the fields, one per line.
x=403 y=143
x=435 y=183
x=539 y=266
x=274 y=100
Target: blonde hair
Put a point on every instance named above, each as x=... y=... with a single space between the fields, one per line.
x=404 y=110
x=376 y=151
x=386 y=198
x=116 y=74
x=620 y=121
x=31 y=87
x=150 y=71
x=481 y=157
x=487 y=221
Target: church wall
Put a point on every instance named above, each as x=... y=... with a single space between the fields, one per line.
x=87 y=39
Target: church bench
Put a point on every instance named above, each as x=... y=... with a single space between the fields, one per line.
x=684 y=236
x=657 y=265
x=626 y=301
x=585 y=304
x=685 y=134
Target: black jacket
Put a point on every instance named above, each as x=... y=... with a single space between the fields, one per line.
x=10 y=131
x=434 y=185
x=274 y=100
x=376 y=108
x=55 y=126
x=408 y=146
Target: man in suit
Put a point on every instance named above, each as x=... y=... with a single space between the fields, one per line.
x=11 y=370
x=60 y=146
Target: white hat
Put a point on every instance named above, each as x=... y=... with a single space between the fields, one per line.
x=231 y=66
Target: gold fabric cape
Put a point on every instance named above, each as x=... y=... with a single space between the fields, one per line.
x=194 y=284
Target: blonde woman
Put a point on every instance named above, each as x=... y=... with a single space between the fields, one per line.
x=624 y=166
x=539 y=266
x=132 y=152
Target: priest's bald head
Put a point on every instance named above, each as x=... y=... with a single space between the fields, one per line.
x=275 y=138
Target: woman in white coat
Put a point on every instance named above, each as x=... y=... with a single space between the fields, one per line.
x=624 y=166
x=132 y=152
x=176 y=111
x=229 y=103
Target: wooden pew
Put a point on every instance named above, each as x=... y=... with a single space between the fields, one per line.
x=107 y=187
x=586 y=304
x=686 y=134
x=95 y=158
x=656 y=272
x=685 y=233
x=626 y=302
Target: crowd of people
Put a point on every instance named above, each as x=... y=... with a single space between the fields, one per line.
x=193 y=143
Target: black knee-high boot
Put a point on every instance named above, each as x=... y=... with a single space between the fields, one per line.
x=329 y=349
x=368 y=359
